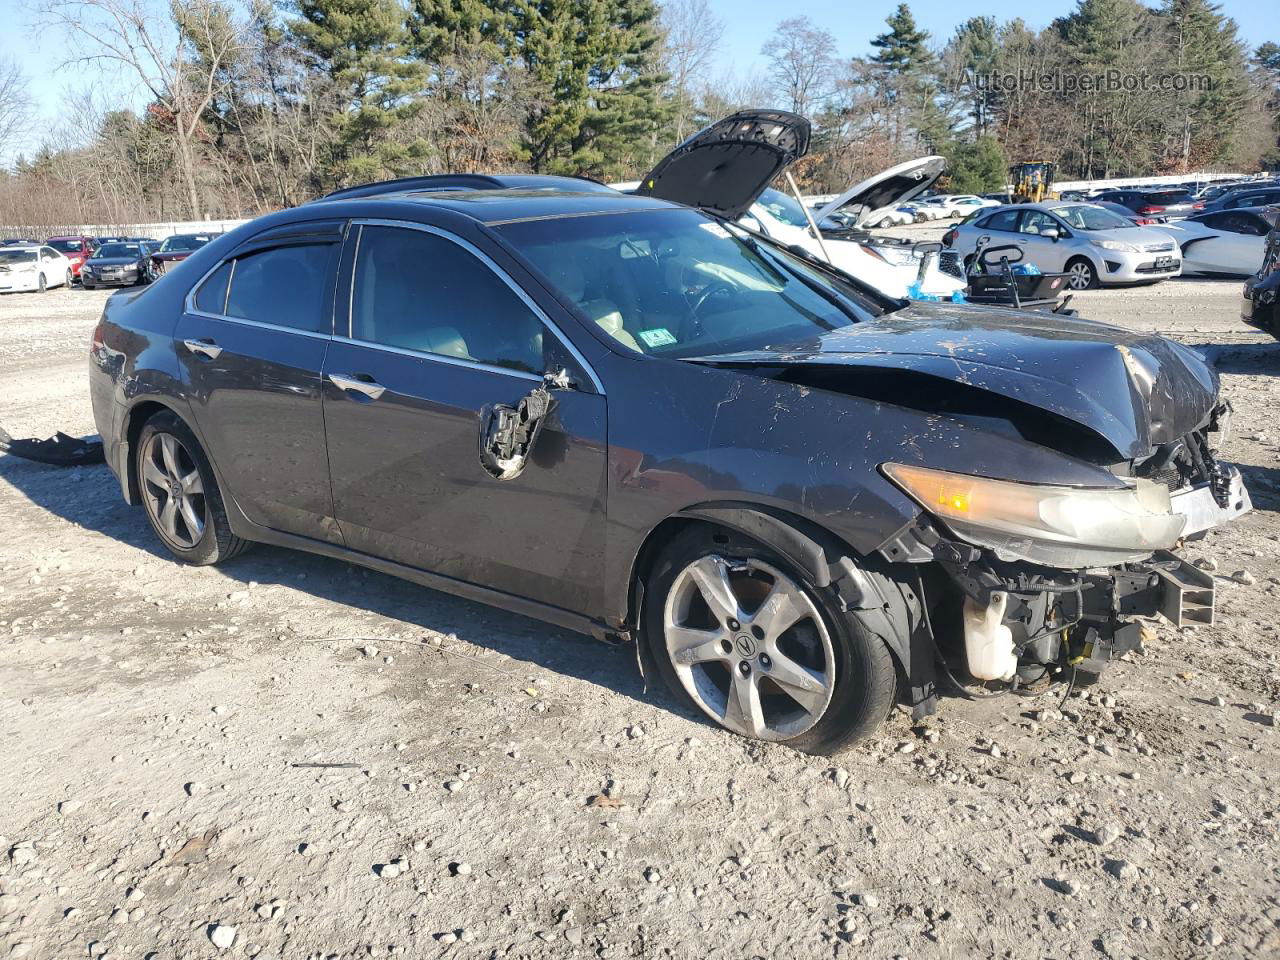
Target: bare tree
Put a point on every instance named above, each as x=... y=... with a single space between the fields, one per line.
x=179 y=59
x=691 y=36
x=15 y=106
x=802 y=59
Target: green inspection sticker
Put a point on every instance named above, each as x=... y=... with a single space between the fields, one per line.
x=657 y=337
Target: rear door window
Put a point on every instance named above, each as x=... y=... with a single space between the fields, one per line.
x=282 y=286
x=1004 y=220
x=211 y=298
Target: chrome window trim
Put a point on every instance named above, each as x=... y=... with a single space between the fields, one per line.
x=497 y=270
x=443 y=358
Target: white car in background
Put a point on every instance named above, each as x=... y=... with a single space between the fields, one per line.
x=958 y=205
x=33 y=268
x=1226 y=243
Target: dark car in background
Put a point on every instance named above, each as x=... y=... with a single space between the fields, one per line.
x=1169 y=204
x=177 y=248
x=629 y=416
x=76 y=249
x=1262 y=290
x=117 y=264
x=1253 y=195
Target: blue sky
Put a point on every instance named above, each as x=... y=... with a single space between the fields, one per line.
x=42 y=54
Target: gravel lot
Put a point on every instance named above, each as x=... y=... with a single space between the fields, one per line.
x=500 y=788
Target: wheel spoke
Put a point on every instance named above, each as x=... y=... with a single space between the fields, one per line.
x=169 y=451
x=154 y=475
x=192 y=484
x=193 y=520
x=742 y=710
x=711 y=574
x=689 y=646
x=169 y=516
x=806 y=687
x=781 y=609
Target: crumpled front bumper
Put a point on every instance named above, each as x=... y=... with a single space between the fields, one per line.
x=1209 y=505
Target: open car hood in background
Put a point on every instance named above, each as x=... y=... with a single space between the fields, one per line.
x=889 y=188
x=724 y=168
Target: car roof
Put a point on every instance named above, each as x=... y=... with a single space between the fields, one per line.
x=502 y=205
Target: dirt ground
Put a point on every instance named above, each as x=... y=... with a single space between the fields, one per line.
x=298 y=758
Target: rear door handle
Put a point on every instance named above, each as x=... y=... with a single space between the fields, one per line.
x=361 y=383
x=205 y=348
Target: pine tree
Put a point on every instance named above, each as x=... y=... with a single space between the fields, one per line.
x=974 y=52
x=363 y=47
x=1205 y=50
x=592 y=68
x=905 y=46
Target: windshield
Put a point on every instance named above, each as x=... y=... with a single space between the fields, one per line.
x=108 y=250
x=66 y=246
x=1086 y=216
x=182 y=244
x=674 y=283
x=17 y=256
x=783 y=207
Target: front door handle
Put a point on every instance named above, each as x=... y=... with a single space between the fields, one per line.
x=205 y=348
x=361 y=383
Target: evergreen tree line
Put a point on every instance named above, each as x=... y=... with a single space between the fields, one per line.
x=258 y=104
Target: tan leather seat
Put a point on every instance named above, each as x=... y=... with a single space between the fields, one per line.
x=572 y=281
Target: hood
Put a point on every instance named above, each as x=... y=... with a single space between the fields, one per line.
x=724 y=168
x=887 y=189
x=1135 y=391
x=114 y=261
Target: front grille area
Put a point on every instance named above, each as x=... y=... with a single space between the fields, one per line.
x=1176 y=465
x=1162 y=247
x=949 y=262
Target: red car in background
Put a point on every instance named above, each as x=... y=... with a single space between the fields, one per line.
x=75 y=249
x=178 y=248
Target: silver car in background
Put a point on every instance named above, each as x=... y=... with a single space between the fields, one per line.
x=1091 y=244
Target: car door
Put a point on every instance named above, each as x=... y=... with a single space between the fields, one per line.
x=1239 y=247
x=1046 y=252
x=992 y=232
x=251 y=344
x=51 y=266
x=438 y=336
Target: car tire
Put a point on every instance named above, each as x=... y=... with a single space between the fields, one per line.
x=41 y=283
x=86 y=286
x=68 y=280
x=180 y=494
x=1081 y=274
x=842 y=673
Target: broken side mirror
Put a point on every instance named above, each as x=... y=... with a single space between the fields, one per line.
x=509 y=433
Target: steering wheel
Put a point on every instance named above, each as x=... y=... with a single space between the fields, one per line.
x=712 y=288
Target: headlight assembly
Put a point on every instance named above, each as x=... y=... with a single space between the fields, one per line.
x=1115 y=245
x=1057 y=526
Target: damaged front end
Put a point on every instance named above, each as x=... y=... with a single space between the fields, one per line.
x=1039 y=582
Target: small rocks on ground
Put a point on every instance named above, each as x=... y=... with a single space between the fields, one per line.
x=222 y=936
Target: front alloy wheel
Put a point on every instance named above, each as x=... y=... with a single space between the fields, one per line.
x=1080 y=275
x=749 y=640
x=749 y=647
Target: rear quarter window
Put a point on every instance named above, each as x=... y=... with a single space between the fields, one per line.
x=211 y=296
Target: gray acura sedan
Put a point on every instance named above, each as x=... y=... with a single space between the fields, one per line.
x=625 y=415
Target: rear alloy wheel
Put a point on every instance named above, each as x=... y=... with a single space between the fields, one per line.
x=180 y=494
x=1081 y=275
x=761 y=651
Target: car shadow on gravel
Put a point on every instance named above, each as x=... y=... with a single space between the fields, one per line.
x=89 y=497
x=1247 y=359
